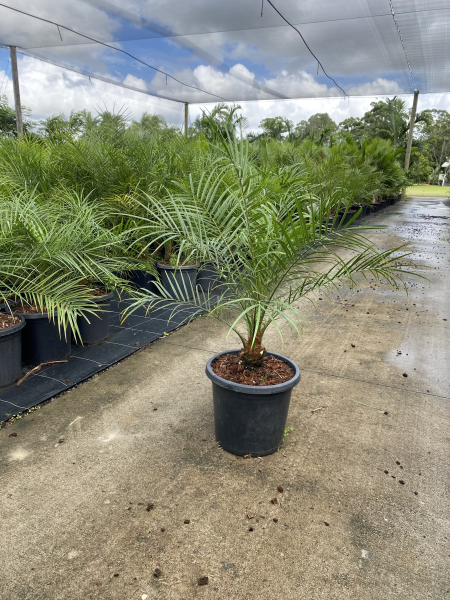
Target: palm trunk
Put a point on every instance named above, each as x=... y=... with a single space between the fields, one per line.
x=253 y=352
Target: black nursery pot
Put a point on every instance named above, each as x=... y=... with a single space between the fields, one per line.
x=365 y=210
x=344 y=220
x=11 y=353
x=143 y=279
x=94 y=328
x=181 y=278
x=250 y=419
x=41 y=341
x=207 y=276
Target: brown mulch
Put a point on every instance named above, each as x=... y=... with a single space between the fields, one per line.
x=7 y=321
x=271 y=372
x=183 y=263
x=98 y=292
x=28 y=308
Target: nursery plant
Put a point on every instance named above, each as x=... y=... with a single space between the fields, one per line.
x=56 y=255
x=273 y=243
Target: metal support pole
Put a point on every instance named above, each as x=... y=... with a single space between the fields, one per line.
x=410 y=133
x=15 y=76
x=186 y=119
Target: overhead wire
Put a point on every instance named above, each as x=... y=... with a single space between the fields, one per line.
x=306 y=44
x=187 y=44
x=174 y=34
x=112 y=48
x=402 y=43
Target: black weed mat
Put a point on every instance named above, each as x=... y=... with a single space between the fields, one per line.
x=125 y=339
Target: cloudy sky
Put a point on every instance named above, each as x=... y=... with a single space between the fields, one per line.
x=212 y=50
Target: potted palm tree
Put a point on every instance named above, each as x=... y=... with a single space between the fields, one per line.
x=178 y=271
x=62 y=263
x=270 y=256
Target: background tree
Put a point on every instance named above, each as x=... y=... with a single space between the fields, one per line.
x=223 y=120
x=8 y=118
x=318 y=126
x=149 y=124
x=435 y=131
x=355 y=127
x=275 y=127
x=420 y=170
x=58 y=125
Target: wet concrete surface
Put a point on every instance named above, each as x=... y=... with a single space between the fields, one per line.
x=75 y=523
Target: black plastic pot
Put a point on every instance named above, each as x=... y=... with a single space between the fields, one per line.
x=356 y=208
x=250 y=419
x=94 y=328
x=41 y=341
x=179 y=279
x=11 y=353
x=343 y=220
x=143 y=279
x=207 y=276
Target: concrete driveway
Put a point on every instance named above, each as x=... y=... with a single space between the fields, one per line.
x=96 y=487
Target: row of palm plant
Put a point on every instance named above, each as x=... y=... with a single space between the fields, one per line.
x=77 y=212
x=56 y=253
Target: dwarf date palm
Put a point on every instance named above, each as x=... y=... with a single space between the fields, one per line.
x=269 y=250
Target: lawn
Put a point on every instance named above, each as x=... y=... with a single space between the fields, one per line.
x=428 y=190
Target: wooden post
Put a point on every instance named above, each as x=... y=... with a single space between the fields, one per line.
x=15 y=76
x=410 y=134
x=186 y=119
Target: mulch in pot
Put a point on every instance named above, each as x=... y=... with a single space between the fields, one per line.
x=29 y=309
x=272 y=371
x=7 y=321
x=182 y=263
x=98 y=292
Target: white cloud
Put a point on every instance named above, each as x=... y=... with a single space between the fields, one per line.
x=26 y=32
x=372 y=88
x=300 y=84
x=47 y=90
x=136 y=82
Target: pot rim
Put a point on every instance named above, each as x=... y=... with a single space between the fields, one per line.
x=32 y=316
x=179 y=267
x=15 y=328
x=265 y=390
x=105 y=298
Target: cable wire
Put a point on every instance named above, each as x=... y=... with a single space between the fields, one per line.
x=262 y=27
x=112 y=48
x=402 y=43
x=304 y=41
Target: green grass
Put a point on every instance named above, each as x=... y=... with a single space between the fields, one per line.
x=428 y=190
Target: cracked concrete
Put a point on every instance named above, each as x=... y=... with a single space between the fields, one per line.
x=75 y=523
